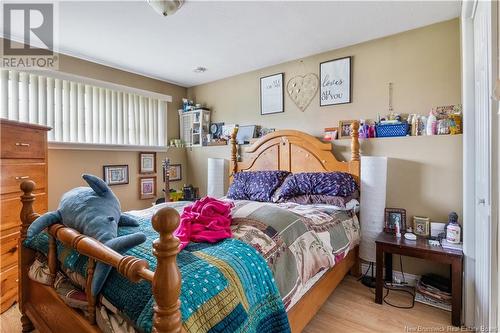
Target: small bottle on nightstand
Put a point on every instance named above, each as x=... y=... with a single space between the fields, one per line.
x=398 y=231
x=453 y=229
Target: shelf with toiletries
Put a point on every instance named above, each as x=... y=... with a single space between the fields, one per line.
x=443 y=120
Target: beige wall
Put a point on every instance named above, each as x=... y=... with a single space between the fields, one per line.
x=423 y=64
x=67 y=166
x=425 y=173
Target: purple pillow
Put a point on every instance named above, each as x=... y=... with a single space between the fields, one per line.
x=256 y=185
x=318 y=183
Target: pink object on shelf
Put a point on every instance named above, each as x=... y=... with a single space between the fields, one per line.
x=207 y=220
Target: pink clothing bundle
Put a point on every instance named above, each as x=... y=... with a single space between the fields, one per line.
x=207 y=220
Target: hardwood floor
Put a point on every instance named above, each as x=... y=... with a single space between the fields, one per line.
x=349 y=309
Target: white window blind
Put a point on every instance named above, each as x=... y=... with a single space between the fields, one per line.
x=82 y=113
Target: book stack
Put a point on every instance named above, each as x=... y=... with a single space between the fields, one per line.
x=451 y=246
x=433 y=296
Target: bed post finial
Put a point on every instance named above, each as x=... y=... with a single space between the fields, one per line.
x=355 y=141
x=234 y=152
x=167 y=277
x=27 y=186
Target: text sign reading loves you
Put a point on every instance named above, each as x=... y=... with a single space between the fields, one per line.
x=335 y=86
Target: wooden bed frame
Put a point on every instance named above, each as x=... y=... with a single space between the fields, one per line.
x=42 y=308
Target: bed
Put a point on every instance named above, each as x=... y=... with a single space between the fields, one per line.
x=43 y=309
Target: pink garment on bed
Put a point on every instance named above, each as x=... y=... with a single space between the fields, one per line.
x=207 y=220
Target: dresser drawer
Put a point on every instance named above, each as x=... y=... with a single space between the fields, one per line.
x=14 y=174
x=8 y=287
x=8 y=251
x=11 y=208
x=20 y=142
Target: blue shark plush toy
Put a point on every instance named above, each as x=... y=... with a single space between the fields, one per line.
x=94 y=211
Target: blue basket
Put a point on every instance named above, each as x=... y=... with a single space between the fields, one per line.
x=391 y=130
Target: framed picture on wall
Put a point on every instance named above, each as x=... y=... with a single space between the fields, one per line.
x=147 y=187
x=175 y=172
x=115 y=174
x=335 y=82
x=272 y=94
x=147 y=162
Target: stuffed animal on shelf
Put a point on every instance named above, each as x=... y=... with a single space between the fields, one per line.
x=93 y=211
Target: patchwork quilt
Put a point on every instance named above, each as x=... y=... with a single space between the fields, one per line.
x=243 y=284
x=299 y=242
x=226 y=287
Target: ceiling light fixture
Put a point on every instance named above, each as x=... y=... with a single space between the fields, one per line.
x=200 y=69
x=166 y=7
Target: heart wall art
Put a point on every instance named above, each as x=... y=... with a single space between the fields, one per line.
x=302 y=89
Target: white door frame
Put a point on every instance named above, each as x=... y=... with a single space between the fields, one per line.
x=471 y=230
x=495 y=167
x=467 y=42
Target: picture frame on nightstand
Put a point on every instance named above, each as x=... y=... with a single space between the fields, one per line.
x=421 y=226
x=394 y=216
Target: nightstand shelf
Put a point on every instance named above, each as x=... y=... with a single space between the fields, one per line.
x=387 y=245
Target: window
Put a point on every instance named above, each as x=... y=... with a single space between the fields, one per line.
x=83 y=113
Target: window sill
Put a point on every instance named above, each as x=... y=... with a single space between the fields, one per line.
x=92 y=146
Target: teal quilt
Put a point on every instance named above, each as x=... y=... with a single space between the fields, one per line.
x=226 y=287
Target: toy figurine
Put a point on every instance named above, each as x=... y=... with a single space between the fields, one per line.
x=93 y=211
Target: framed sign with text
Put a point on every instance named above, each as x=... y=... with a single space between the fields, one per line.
x=271 y=94
x=335 y=82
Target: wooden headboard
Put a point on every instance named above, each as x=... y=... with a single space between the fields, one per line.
x=294 y=151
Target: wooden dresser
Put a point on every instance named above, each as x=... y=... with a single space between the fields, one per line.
x=23 y=149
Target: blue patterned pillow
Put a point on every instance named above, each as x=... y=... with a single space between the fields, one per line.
x=256 y=185
x=315 y=183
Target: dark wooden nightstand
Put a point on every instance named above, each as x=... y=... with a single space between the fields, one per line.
x=387 y=245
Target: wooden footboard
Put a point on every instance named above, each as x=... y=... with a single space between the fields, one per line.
x=166 y=280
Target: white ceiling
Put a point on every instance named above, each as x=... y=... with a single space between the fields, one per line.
x=229 y=38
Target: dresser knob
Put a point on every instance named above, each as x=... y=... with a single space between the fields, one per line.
x=22 y=177
x=22 y=144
